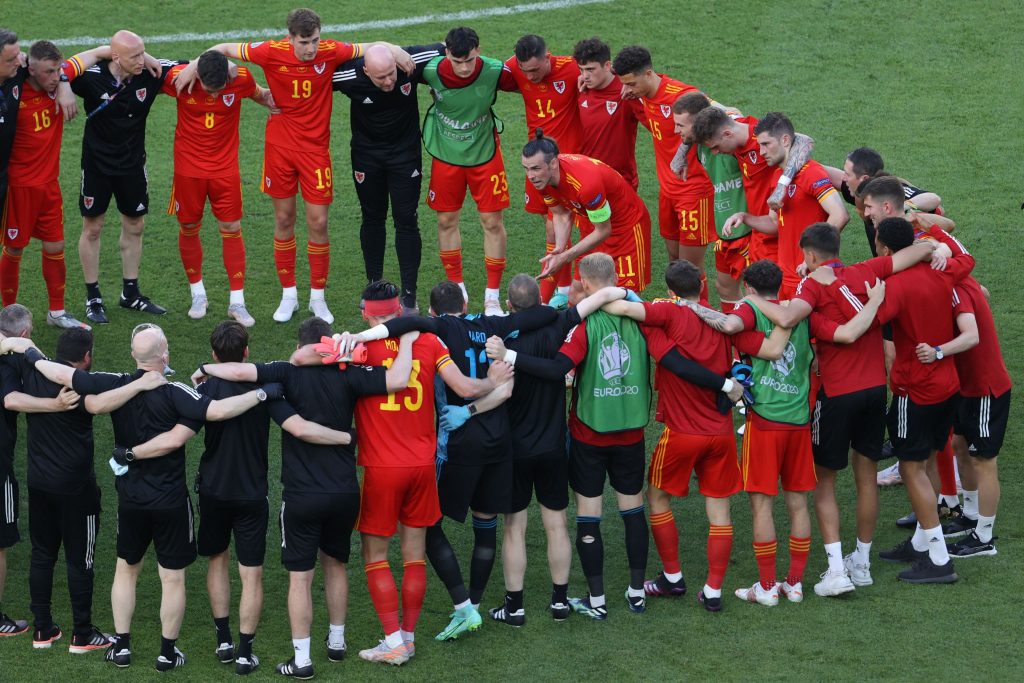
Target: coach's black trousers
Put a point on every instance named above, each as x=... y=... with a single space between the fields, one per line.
x=378 y=183
x=74 y=521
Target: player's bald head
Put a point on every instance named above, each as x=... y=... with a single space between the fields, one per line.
x=380 y=67
x=149 y=345
x=125 y=42
x=523 y=292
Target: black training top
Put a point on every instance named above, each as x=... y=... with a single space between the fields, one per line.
x=10 y=100
x=234 y=463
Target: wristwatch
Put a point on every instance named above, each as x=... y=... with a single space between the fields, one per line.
x=129 y=455
x=261 y=395
x=472 y=409
x=938 y=353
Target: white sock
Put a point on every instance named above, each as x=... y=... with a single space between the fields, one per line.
x=635 y=592
x=463 y=605
x=408 y=636
x=198 y=289
x=316 y=294
x=834 y=552
x=863 y=552
x=301 y=647
x=564 y=290
x=336 y=635
x=918 y=540
x=971 y=504
x=57 y=314
x=710 y=592
x=985 y=527
x=492 y=294
x=674 y=576
x=936 y=545
x=237 y=296
x=393 y=640
x=289 y=293
x=465 y=294
x=951 y=501
x=597 y=601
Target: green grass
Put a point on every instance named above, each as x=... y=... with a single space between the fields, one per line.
x=933 y=86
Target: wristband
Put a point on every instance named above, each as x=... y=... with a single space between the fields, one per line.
x=202 y=369
x=510 y=357
x=785 y=180
x=34 y=355
x=471 y=408
x=727 y=386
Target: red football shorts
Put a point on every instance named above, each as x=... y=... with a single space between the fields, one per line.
x=486 y=182
x=189 y=195
x=397 y=494
x=689 y=220
x=769 y=455
x=763 y=247
x=713 y=457
x=732 y=256
x=285 y=170
x=787 y=290
x=33 y=211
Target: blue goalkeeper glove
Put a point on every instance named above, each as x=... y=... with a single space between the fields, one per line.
x=453 y=417
x=633 y=296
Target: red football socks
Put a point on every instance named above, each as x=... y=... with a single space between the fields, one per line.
x=384 y=594
x=666 y=540
x=719 y=549
x=799 y=549
x=452 y=262
x=495 y=269
x=191 y=249
x=284 y=261
x=10 y=271
x=55 y=276
x=233 y=250
x=414 y=588
x=764 y=553
x=319 y=266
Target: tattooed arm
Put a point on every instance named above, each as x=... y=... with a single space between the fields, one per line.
x=799 y=154
x=716 y=320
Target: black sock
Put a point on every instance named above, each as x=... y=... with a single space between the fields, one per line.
x=223 y=625
x=446 y=565
x=513 y=601
x=559 y=593
x=92 y=290
x=485 y=546
x=167 y=647
x=245 y=645
x=638 y=543
x=590 y=547
x=124 y=641
x=130 y=288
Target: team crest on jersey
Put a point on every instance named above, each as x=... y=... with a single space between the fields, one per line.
x=319 y=68
x=431 y=194
x=228 y=99
x=792 y=190
x=752 y=155
x=360 y=176
x=527 y=195
x=406 y=88
x=666 y=110
x=177 y=207
x=611 y=107
x=52 y=95
x=16 y=92
x=559 y=86
x=140 y=94
x=87 y=201
x=12 y=233
x=266 y=180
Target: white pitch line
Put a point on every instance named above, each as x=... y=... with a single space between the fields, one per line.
x=447 y=17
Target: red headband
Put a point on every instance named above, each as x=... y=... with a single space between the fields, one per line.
x=381 y=308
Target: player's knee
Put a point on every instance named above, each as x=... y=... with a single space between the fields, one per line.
x=51 y=247
x=13 y=251
x=492 y=223
x=132 y=226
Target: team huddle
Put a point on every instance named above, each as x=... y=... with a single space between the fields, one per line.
x=464 y=416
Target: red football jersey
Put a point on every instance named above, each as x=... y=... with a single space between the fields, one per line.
x=206 y=136
x=35 y=152
x=685 y=407
x=590 y=185
x=302 y=90
x=657 y=118
x=801 y=207
x=575 y=348
x=846 y=368
x=551 y=104
x=981 y=369
x=398 y=430
x=609 y=128
x=914 y=300
x=757 y=182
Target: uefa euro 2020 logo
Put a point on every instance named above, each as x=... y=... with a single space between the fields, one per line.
x=613 y=358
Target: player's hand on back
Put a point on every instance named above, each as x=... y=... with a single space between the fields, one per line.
x=495 y=348
x=500 y=372
x=184 y=79
x=736 y=392
x=876 y=292
x=453 y=417
x=153 y=379
x=403 y=59
x=67 y=399
x=410 y=337
x=67 y=103
x=776 y=197
x=152 y=65
x=198 y=377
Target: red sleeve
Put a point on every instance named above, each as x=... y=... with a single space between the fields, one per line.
x=962 y=302
x=257 y=53
x=880 y=266
x=72 y=68
x=575 y=345
x=168 y=87
x=507 y=82
x=657 y=314
x=822 y=328
x=940 y=235
x=746 y=314
x=246 y=83
x=343 y=52
x=749 y=342
x=814 y=180
x=808 y=291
